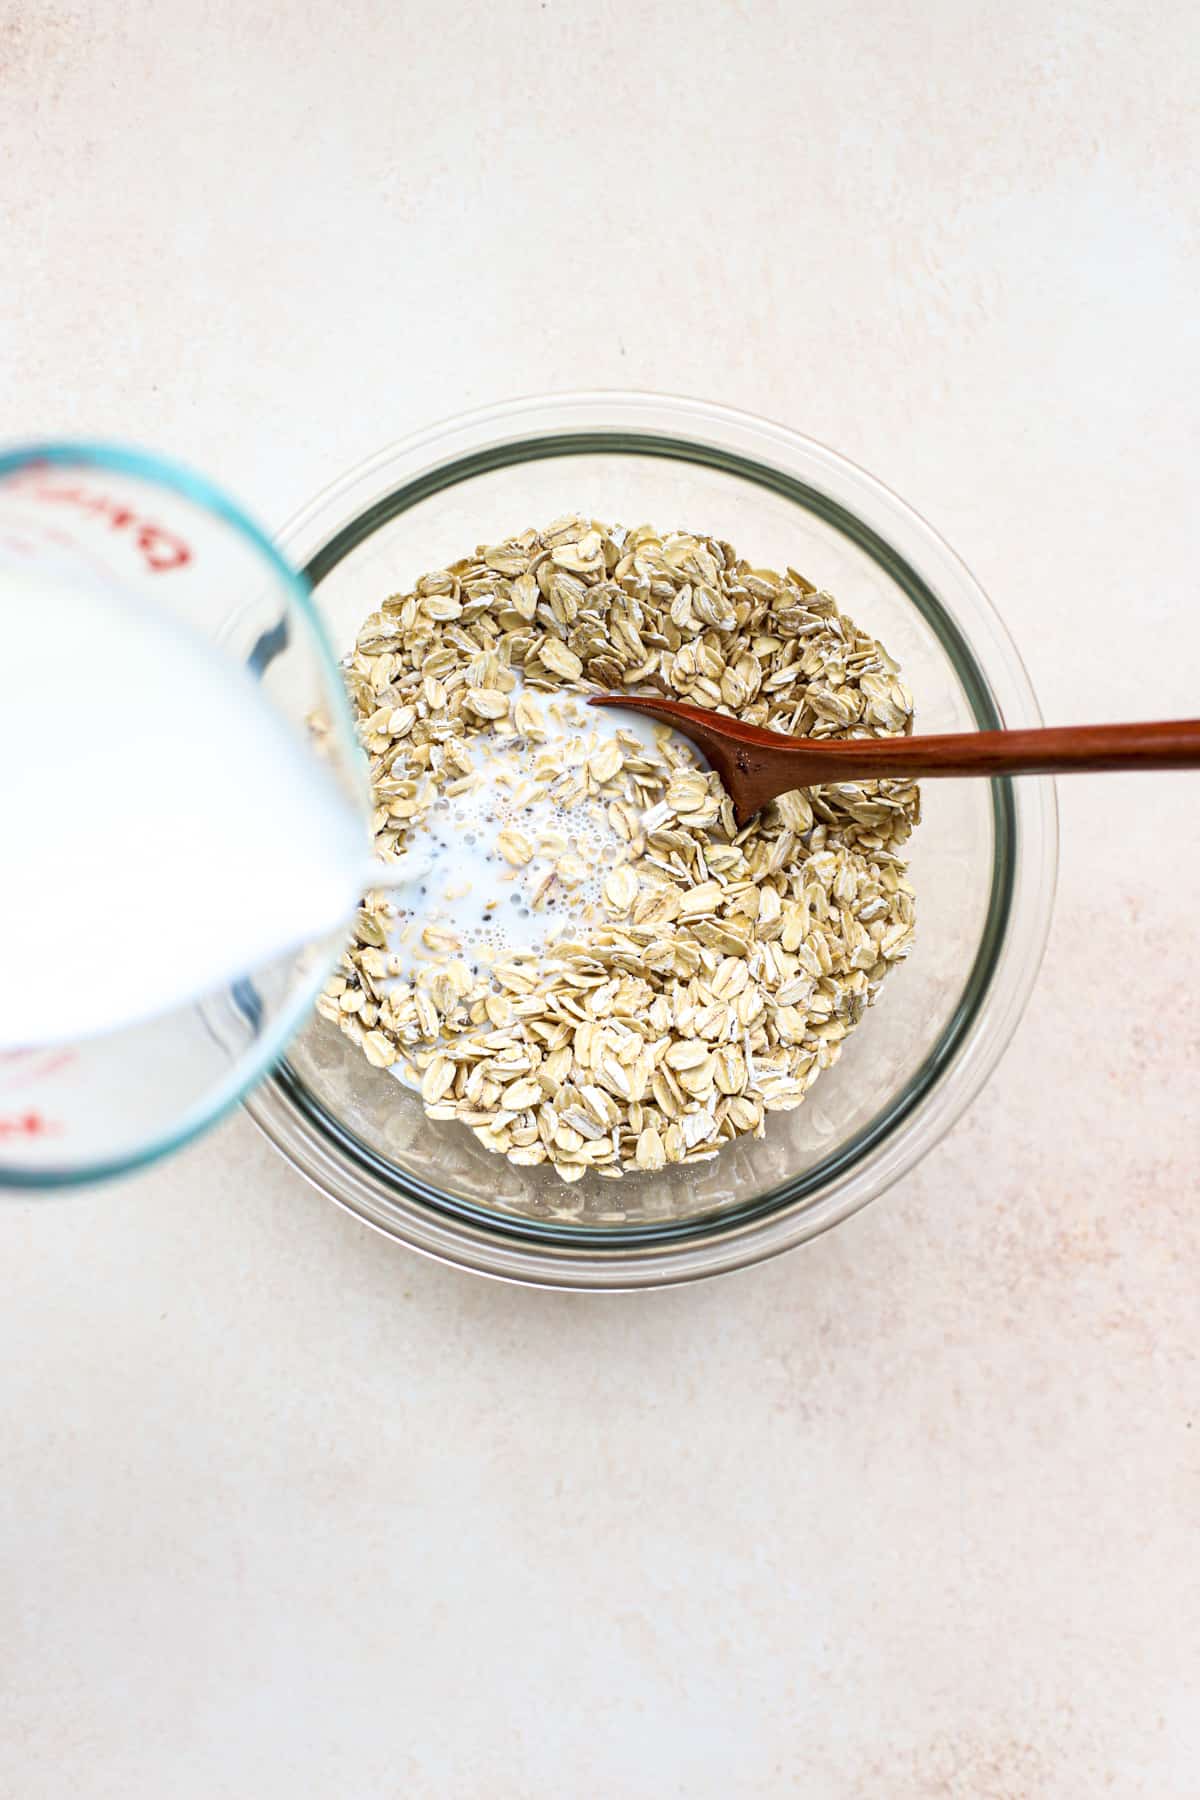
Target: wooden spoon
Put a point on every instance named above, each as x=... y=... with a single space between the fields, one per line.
x=756 y=765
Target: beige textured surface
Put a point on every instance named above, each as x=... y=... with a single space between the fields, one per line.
x=913 y=1513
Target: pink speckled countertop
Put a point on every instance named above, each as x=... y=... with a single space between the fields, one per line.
x=912 y=1514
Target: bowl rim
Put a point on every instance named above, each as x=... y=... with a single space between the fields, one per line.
x=453 y=450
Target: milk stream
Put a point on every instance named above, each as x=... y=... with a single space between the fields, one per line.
x=164 y=828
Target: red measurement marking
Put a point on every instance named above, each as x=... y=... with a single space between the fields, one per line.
x=161 y=549
x=30 y=1124
x=36 y=1065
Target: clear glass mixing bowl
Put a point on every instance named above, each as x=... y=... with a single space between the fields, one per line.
x=983 y=860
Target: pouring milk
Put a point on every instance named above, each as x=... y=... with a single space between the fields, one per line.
x=165 y=830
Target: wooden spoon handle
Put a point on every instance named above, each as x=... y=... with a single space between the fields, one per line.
x=1056 y=750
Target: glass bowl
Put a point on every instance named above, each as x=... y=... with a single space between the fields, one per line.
x=982 y=861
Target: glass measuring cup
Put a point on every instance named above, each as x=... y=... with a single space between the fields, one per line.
x=101 y=518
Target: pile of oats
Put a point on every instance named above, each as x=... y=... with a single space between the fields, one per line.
x=725 y=968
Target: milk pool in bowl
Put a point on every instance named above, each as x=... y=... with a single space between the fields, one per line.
x=498 y=868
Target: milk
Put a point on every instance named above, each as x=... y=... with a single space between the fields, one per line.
x=164 y=829
x=459 y=879
x=460 y=887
